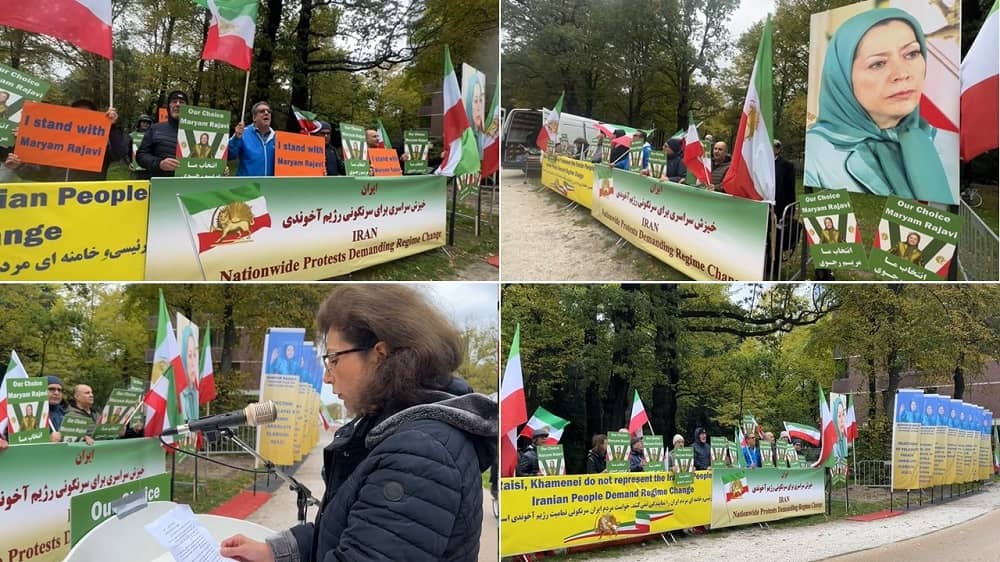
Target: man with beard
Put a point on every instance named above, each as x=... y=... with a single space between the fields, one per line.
x=255 y=148
x=157 y=153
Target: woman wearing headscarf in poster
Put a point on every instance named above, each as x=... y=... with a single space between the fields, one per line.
x=403 y=479
x=840 y=447
x=869 y=136
x=189 y=354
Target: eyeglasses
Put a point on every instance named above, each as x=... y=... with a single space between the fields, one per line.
x=264 y=110
x=331 y=359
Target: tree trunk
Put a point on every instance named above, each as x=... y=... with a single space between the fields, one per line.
x=300 y=63
x=959 y=378
x=17 y=39
x=263 y=60
x=872 y=391
x=196 y=94
x=683 y=101
x=228 y=331
x=895 y=372
x=168 y=42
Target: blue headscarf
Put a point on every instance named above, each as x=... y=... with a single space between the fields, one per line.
x=900 y=161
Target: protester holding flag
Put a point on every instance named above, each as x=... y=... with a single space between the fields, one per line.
x=256 y=151
x=403 y=479
x=157 y=153
x=869 y=135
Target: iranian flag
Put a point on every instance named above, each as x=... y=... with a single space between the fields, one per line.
x=84 y=23
x=163 y=407
x=639 y=417
x=383 y=135
x=544 y=419
x=996 y=450
x=513 y=409
x=231 y=31
x=852 y=420
x=206 y=376
x=15 y=370
x=242 y=205
x=461 y=154
x=735 y=484
x=491 y=145
x=829 y=437
x=980 y=97
x=307 y=120
x=695 y=160
x=751 y=173
x=807 y=433
x=550 y=126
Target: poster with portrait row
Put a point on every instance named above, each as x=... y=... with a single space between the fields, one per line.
x=937 y=440
x=913 y=242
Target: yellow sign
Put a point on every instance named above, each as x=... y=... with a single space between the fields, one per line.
x=80 y=231
x=276 y=441
x=573 y=179
x=543 y=513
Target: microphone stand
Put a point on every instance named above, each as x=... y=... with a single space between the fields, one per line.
x=304 y=497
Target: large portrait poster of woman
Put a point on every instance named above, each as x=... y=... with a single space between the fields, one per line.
x=474 y=99
x=882 y=109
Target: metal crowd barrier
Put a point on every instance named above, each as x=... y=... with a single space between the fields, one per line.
x=978 y=247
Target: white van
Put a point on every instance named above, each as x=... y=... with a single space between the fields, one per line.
x=520 y=130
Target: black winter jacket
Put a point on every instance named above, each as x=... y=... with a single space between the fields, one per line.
x=405 y=486
x=159 y=142
x=596 y=463
x=702 y=452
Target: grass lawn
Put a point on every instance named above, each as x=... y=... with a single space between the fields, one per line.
x=216 y=484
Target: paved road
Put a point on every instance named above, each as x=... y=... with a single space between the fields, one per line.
x=279 y=512
x=973 y=541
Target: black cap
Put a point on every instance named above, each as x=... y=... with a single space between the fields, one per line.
x=324 y=126
x=177 y=94
x=543 y=432
x=55 y=380
x=636 y=439
x=145 y=117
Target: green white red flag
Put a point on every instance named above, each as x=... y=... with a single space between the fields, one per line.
x=84 y=23
x=15 y=370
x=638 y=417
x=829 y=436
x=807 y=433
x=513 y=408
x=852 y=421
x=491 y=144
x=544 y=419
x=206 y=375
x=550 y=125
x=461 y=154
x=245 y=204
x=751 y=173
x=231 y=31
x=307 y=120
x=383 y=135
x=981 y=90
x=163 y=405
x=695 y=159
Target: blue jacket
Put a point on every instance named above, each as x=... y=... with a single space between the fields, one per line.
x=405 y=486
x=752 y=457
x=255 y=152
x=56 y=414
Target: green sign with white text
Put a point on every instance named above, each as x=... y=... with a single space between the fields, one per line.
x=416 y=143
x=89 y=510
x=618 y=448
x=15 y=88
x=914 y=242
x=832 y=230
x=550 y=460
x=202 y=142
x=27 y=410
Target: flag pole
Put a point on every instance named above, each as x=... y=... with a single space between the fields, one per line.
x=191 y=237
x=246 y=90
x=111 y=83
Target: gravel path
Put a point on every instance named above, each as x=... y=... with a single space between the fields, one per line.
x=542 y=240
x=836 y=538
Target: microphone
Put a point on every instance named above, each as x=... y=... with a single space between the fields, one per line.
x=257 y=413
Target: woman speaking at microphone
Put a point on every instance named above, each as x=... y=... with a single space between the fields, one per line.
x=403 y=479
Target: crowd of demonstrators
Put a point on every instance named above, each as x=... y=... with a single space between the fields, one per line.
x=80 y=404
x=118 y=148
